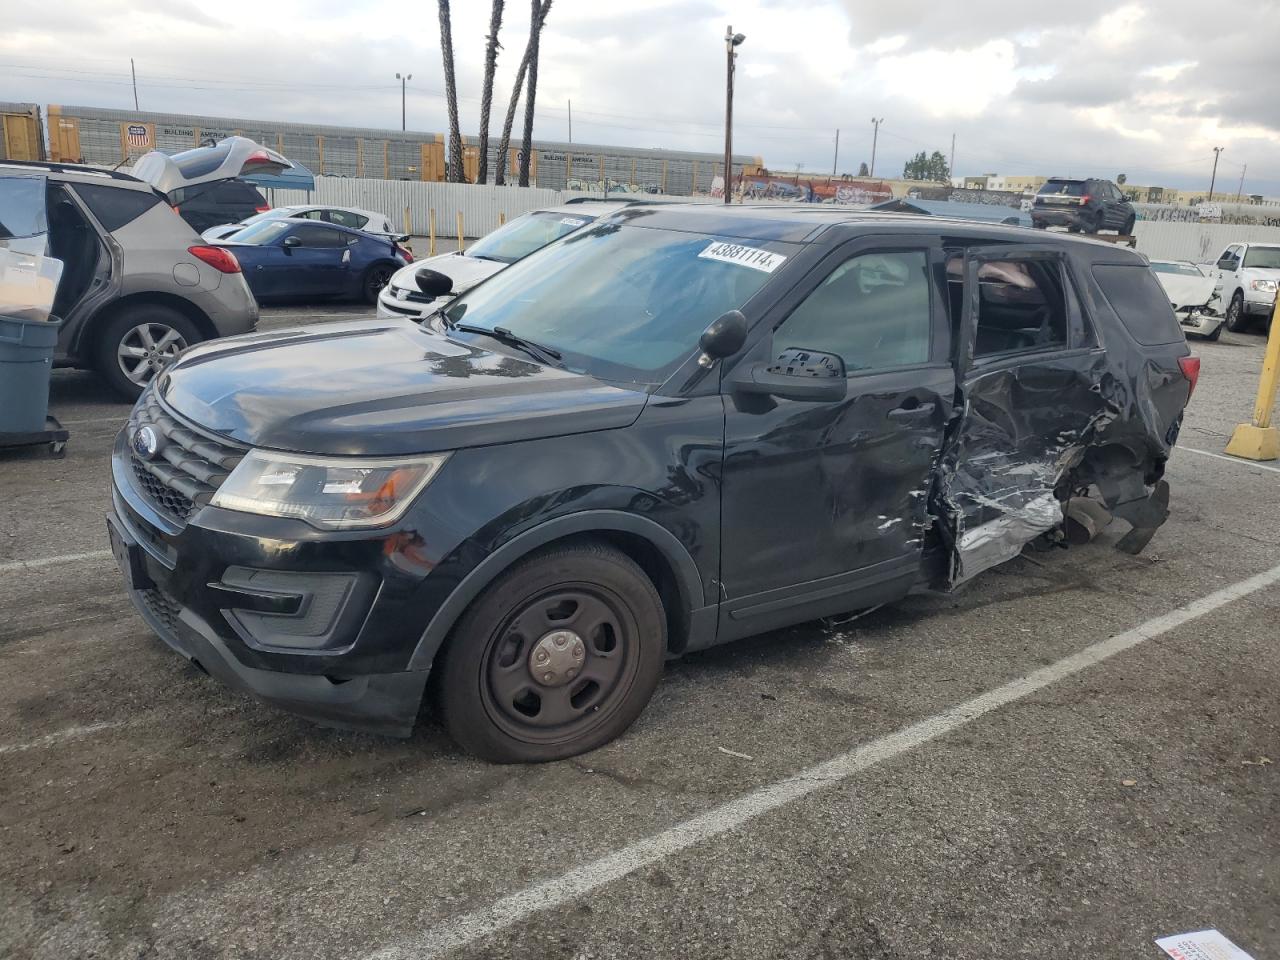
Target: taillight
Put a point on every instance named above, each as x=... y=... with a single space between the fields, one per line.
x=1191 y=370
x=219 y=258
x=262 y=209
x=1085 y=199
x=405 y=252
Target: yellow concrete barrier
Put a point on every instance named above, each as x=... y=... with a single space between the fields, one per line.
x=1259 y=440
x=431 y=225
x=461 y=245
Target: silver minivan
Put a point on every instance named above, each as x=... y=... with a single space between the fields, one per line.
x=139 y=284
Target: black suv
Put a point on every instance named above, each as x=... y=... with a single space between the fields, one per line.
x=677 y=427
x=1083 y=206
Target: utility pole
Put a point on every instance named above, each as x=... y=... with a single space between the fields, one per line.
x=874 y=137
x=1240 y=189
x=571 y=121
x=134 y=72
x=403 y=80
x=836 y=162
x=1214 y=178
x=731 y=40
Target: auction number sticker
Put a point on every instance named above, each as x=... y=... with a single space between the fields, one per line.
x=572 y=221
x=752 y=257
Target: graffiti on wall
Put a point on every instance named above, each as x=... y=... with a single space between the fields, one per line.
x=1237 y=214
x=844 y=192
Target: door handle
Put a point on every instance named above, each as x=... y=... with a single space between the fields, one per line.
x=910 y=413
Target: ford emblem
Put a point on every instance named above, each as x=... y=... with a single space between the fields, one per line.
x=146 y=442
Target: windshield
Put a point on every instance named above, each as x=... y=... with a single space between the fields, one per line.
x=261 y=233
x=1268 y=258
x=622 y=302
x=1181 y=269
x=275 y=214
x=522 y=236
x=1063 y=188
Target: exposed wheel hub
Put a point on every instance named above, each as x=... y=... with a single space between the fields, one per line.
x=557 y=658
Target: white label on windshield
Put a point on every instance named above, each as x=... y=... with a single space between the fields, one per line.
x=752 y=257
x=572 y=222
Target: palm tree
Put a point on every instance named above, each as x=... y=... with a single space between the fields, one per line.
x=505 y=145
x=454 y=174
x=531 y=92
x=486 y=92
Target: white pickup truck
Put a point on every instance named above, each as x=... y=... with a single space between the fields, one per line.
x=1245 y=280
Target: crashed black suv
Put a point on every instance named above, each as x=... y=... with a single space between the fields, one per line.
x=677 y=427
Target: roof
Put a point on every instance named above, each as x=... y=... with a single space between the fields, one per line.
x=986 y=212
x=79 y=171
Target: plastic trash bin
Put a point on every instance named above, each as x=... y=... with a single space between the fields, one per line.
x=26 y=359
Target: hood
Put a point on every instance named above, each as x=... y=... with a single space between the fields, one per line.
x=1187 y=291
x=383 y=389
x=464 y=271
x=225 y=160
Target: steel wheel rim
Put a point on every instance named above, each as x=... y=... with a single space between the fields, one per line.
x=147 y=349
x=563 y=701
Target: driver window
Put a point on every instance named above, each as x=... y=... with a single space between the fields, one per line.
x=872 y=310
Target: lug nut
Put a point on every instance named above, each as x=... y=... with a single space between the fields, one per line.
x=572 y=673
x=548 y=677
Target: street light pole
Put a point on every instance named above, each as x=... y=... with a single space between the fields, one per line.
x=1214 y=178
x=875 y=136
x=731 y=40
x=403 y=80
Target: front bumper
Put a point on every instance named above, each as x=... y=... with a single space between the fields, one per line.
x=390 y=305
x=1198 y=322
x=189 y=583
x=1260 y=308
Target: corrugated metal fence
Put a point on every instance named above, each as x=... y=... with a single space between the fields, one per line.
x=479 y=205
x=1198 y=242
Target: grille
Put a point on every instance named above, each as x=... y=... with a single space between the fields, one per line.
x=163 y=607
x=188 y=468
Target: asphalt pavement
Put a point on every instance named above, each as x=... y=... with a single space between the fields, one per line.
x=1075 y=754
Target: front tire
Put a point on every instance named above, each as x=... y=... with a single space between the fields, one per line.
x=556 y=657
x=1237 y=320
x=138 y=343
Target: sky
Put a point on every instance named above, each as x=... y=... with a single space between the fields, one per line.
x=1087 y=88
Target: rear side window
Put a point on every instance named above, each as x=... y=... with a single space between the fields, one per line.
x=1143 y=306
x=21 y=207
x=114 y=207
x=319 y=237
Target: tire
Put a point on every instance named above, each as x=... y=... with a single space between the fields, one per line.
x=375 y=278
x=1237 y=319
x=143 y=338
x=611 y=621
x=1099 y=222
x=1129 y=225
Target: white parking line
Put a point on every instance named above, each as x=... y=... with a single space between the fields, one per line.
x=13 y=566
x=71 y=733
x=1223 y=456
x=469 y=928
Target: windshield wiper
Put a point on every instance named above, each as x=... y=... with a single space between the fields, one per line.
x=542 y=354
x=481 y=256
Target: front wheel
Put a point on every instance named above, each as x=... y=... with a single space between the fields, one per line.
x=557 y=657
x=1129 y=225
x=1237 y=321
x=375 y=278
x=138 y=343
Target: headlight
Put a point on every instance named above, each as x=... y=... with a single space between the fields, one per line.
x=332 y=493
x=1264 y=286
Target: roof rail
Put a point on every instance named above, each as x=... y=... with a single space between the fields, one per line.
x=70 y=168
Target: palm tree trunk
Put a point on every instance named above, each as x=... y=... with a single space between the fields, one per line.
x=486 y=91
x=531 y=92
x=504 y=146
x=454 y=174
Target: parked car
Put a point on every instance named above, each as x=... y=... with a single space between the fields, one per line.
x=307 y=260
x=679 y=426
x=1193 y=296
x=405 y=297
x=367 y=220
x=202 y=185
x=138 y=285
x=1083 y=206
x=1245 y=278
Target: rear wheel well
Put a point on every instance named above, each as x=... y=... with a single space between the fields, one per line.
x=87 y=347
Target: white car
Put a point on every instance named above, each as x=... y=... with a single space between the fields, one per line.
x=1245 y=277
x=366 y=220
x=1193 y=296
x=493 y=252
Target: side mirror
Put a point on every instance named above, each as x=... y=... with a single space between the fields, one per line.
x=725 y=336
x=797 y=374
x=433 y=283
x=291 y=242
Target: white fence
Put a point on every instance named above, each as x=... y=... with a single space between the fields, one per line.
x=479 y=205
x=1199 y=242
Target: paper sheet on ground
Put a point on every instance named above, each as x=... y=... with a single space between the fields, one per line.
x=1201 y=945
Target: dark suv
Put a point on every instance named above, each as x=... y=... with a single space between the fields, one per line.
x=1083 y=206
x=679 y=426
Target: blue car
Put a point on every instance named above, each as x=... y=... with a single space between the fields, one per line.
x=307 y=260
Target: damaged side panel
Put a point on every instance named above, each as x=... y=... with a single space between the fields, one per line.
x=1040 y=424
